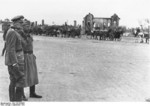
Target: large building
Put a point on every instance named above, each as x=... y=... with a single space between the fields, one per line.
x=90 y=22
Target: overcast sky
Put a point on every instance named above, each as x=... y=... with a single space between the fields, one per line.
x=59 y=11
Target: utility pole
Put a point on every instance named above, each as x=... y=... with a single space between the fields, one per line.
x=148 y=32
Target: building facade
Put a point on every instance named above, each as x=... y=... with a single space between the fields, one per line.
x=90 y=22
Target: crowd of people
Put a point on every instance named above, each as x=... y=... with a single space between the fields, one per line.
x=139 y=33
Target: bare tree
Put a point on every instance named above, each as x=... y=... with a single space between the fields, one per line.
x=144 y=24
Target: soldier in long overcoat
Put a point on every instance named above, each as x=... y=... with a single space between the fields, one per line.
x=31 y=74
x=14 y=59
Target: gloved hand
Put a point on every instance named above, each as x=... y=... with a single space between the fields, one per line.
x=17 y=73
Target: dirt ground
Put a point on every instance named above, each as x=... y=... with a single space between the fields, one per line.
x=87 y=70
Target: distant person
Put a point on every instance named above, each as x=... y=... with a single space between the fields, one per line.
x=5 y=28
x=14 y=59
x=31 y=74
x=137 y=32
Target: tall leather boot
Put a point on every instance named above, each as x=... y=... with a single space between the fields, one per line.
x=19 y=91
x=12 y=91
x=33 y=94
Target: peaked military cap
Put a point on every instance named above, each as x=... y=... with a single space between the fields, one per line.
x=17 y=18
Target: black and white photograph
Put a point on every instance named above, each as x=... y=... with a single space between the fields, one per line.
x=74 y=51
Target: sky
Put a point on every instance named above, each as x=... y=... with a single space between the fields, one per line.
x=131 y=12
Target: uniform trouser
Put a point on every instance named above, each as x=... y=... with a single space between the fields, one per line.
x=16 y=76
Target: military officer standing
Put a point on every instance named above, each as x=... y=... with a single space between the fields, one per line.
x=14 y=59
x=31 y=74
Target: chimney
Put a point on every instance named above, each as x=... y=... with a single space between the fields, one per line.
x=43 y=22
x=35 y=23
x=75 y=23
